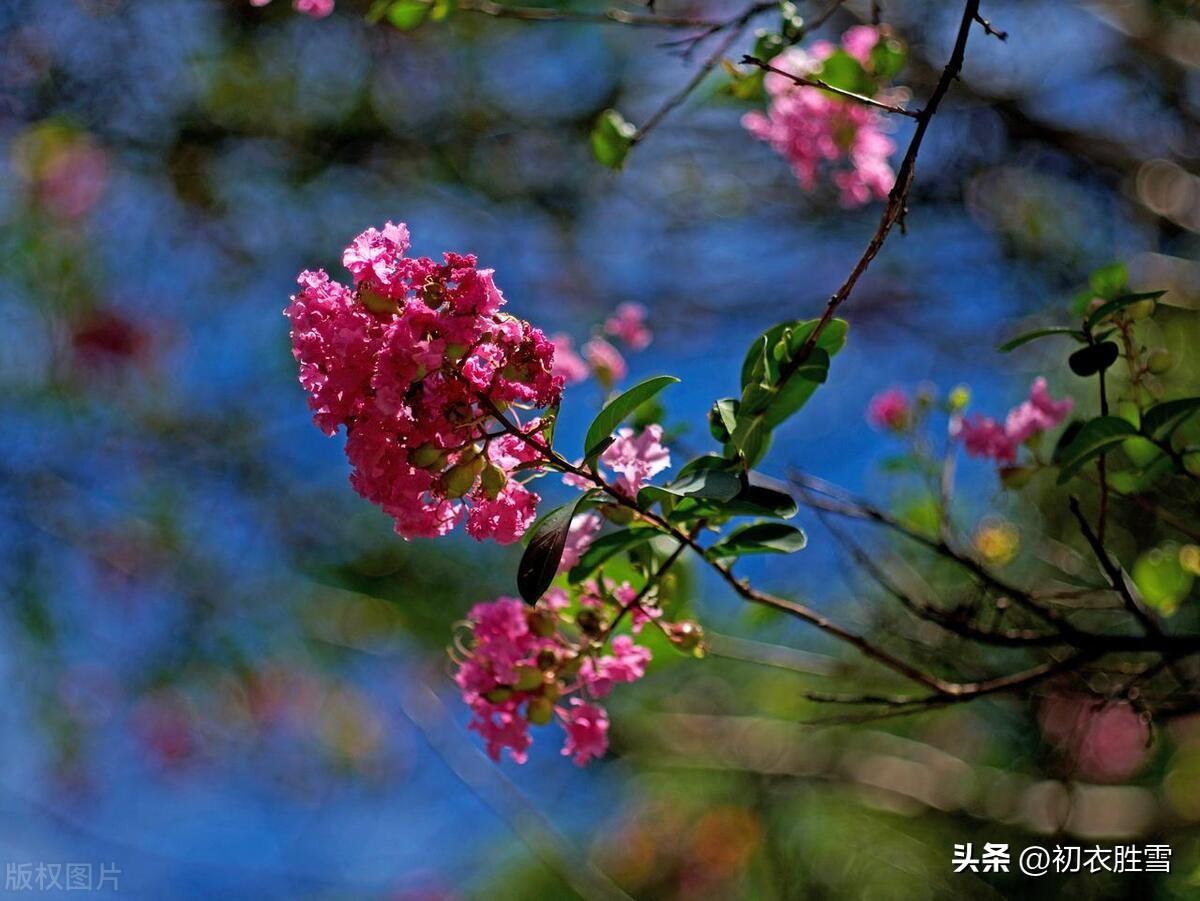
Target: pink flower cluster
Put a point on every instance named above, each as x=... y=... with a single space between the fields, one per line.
x=633 y=458
x=519 y=668
x=317 y=9
x=809 y=126
x=600 y=357
x=985 y=437
x=413 y=362
x=890 y=410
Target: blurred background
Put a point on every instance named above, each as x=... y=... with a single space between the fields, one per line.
x=227 y=677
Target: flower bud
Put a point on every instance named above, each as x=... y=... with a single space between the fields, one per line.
x=1096 y=303
x=459 y=479
x=1143 y=309
x=687 y=636
x=546 y=659
x=588 y=621
x=528 y=678
x=493 y=480
x=551 y=691
x=455 y=352
x=1158 y=360
x=959 y=397
x=615 y=513
x=539 y=711
x=498 y=695
x=1191 y=462
x=542 y=623
x=427 y=456
x=376 y=302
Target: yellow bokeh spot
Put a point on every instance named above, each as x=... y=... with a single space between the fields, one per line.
x=997 y=541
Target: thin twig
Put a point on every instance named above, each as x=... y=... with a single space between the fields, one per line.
x=991 y=29
x=603 y=17
x=812 y=82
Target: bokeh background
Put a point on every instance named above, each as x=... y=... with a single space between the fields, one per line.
x=225 y=674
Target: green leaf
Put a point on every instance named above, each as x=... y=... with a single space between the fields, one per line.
x=1119 y=303
x=1014 y=343
x=754 y=499
x=542 y=555
x=887 y=59
x=759 y=538
x=713 y=484
x=842 y=70
x=621 y=406
x=612 y=136
x=1094 y=358
x=1161 y=578
x=1095 y=438
x=606 y=547
x=1161 y=420
x=408 y=14
x=722 y=418
x=1109 y=281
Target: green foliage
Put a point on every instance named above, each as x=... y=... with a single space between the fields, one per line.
x=759 y=538
x=1096 y=437
x=775 y=386
x=608 y=546
x=1162 y=579
x=542 y=555
x=612 y=137
x=1161 y=420
x=1034 y=335
x=618 y=408
x=1118 y=303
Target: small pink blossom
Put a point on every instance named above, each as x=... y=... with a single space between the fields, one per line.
x=812 y=128
x=890 y=409
x=583 y=531
x=636 y=458
x=1038 y=414
x=606 y=361
x=587 y=731
x=629 y=325
x=859 y=41
x=568 y=364
x=644 y=612
x=984 y=437
x=626 y=663
x=317 y=9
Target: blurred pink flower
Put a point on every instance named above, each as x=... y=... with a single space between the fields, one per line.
x=317 y=9
x=583 y=531
x=587 y=731
x=1107 y=741
x=889 y=409
x=567 y=363
x=1039 y=413
x=605 y=360
x=636 y=458
x=629 y=325
x=810 y=127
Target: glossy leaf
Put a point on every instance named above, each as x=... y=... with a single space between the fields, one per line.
x=712 y=484
x=1162 y=419
x=1119 y=303
x=759 y=538
x=1014 y=343
x=608 y=546
x=544 y=551
x=618 y=408
x=1096 y=437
